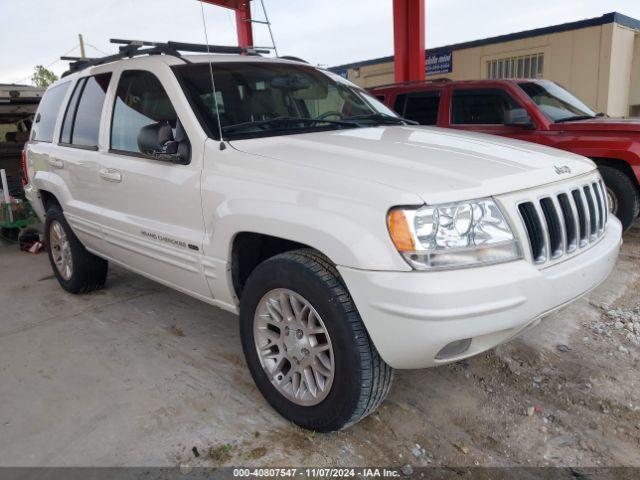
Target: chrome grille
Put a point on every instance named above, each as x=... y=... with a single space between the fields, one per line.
x=561 y=224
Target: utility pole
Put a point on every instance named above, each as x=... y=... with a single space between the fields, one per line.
x=82 y=55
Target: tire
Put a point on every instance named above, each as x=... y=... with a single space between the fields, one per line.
x=361 y=379
x=624 y=195
x=86 y=271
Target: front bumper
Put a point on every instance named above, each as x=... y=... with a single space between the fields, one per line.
x=411 y=316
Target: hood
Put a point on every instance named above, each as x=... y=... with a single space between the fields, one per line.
x=439 y=165
x=600 y=124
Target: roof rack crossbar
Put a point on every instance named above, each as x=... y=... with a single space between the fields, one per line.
x=75 y=59
x=82 y=63
x=192 y=47
x=134 y=48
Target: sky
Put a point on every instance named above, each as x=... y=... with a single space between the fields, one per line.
x=323 y=32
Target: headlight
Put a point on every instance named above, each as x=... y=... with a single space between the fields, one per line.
x=452 y=236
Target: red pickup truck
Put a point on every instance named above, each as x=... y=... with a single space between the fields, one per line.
x=537 y=111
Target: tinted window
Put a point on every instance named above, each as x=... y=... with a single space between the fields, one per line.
x=86 y=121
x=489 y=106
x=398 y=105
x=67 y=123
x=141 y=100
x=48 y=113
x=420 y=107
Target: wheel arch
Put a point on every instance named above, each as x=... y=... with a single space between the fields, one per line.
x=51 y=188
x=249 y=249
x=47 y=199
x=618 y=164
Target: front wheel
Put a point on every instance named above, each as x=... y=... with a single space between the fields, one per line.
x=622 y=195
x=306 y=346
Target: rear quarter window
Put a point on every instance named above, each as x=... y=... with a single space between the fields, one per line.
x=45 y=120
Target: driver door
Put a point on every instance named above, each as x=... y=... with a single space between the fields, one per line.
x=487 y=110
x=152 y=215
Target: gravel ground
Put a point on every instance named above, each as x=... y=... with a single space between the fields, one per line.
x=140 y=375
x=564 y=394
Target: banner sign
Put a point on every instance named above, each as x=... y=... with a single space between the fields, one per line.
x=438 y=63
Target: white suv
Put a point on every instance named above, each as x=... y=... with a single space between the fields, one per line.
x=349 y=242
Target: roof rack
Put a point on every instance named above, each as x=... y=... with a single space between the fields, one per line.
x=137 y=48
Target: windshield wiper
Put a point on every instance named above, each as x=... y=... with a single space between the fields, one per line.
x=285 y=121
x=575 y=117
x=382 y=118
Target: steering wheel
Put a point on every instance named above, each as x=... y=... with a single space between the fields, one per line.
x=330 y=113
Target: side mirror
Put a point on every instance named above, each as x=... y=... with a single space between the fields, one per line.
x=518 y=117
x=157 y=141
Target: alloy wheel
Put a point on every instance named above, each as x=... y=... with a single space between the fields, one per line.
x=294 y=347
x=61 y=250
x=612 y=201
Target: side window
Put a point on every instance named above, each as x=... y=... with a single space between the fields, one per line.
x=67 y=123
x=398 y=105
x=140 y=101
x=81 y=125
x=487 y=106
x=48 y=109
x=423 y=107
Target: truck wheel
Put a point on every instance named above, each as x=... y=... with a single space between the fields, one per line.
x=77 y=270
x=622 y=195
x=306 y=346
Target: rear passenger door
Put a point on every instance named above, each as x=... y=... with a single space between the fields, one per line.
x=421 y=107
x=77 y=157
x=152 y=214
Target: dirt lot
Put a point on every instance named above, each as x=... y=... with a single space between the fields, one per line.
x=140 y=375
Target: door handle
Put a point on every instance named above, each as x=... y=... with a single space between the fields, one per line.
x=111 y=175
x=56 y=162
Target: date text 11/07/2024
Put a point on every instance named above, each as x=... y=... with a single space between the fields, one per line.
x=321 y=472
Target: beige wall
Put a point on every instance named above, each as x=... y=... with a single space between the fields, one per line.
x=621 y=63
x=634 y=88
x=372 y=75
x=595 y=63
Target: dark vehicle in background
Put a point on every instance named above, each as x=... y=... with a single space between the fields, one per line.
x=18 y=105
x=538 y=111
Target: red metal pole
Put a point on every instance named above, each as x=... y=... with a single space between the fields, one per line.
x=409 y=39
x=243 y=19
x=243 y=24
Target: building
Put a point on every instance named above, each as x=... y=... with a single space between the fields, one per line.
x=598 y=59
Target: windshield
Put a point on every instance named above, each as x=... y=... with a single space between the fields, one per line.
x=267 y=98
x=555 y=102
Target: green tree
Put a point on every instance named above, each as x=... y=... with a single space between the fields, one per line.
x=43 y=77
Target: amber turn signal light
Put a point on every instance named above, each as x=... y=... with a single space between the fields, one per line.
x=400 y=231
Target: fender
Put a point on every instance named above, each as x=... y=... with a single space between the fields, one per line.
x=345 y=241
x=339 y=215
x=342 y=239
x=622 y=150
